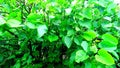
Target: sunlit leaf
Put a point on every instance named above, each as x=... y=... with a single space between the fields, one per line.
x=67 y=41
x=84 y=45
x=14 y=23
x=80 y=56
x=52 y=38
x=42 y=29
x=2 y=21
x=104 y=57
x=109 y=42
x=89 y=35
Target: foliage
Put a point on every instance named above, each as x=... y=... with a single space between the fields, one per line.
x=59 y=34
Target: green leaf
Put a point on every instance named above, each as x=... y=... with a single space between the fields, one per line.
x=72 y=57
x=30 y=25
x=109 y=42
x=93 y=49
x=110 y=38
x=115 y=54
x=34 y=18
x=85 y=23
x=52 y=38
x=42 y=29
x=80 y=56
x=14 y=23
x=67 y=41
x=108 y=18
x=84 y=45
x=68 y=11
x=87 y=13
x=1 y=58
x=70 y=32
x=2 y=21
x=78 y=40
x=104 y=57
x=107 y=45
x=89 y=35
x=25 y=56
x=17 y=64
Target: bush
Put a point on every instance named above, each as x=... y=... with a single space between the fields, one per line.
x=59 y=34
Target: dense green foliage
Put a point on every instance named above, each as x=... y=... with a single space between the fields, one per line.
x=59 y=34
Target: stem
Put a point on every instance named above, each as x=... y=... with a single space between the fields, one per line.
x=22 y=5
x=30 y=48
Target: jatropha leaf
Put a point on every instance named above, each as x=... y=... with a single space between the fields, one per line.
x=42 y=29
x=109 y=42
x=14 y=23
x=52 y=38
x=104 y=57
x=80 y=56
x=67 y=41
x=2 y=21
x=84 y=45
x=89 y=35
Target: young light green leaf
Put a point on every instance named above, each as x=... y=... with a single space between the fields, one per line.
x=41 y=29
x=87 y=13
x=34 y=18
x=67 y=41
x=109 y=42
x=110 y=38
x=89 y=35
x=107 y=45
x=80 y=56
x=93 y=49
x=84 y=45
x=52 y=38
x=104 y=57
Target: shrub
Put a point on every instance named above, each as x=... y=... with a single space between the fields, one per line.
x=59 y=34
